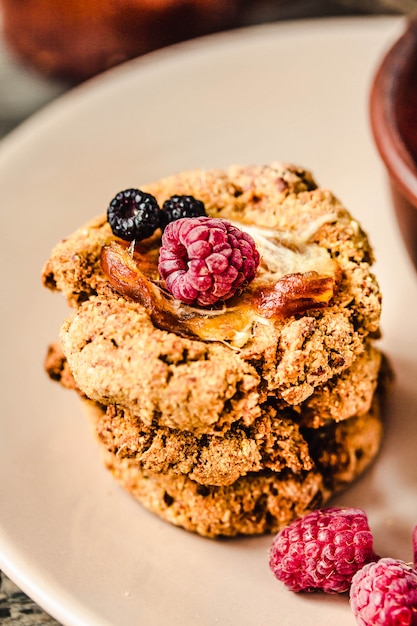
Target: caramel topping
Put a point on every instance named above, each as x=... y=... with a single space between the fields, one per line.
x=127 y=278
x=294 y=294
x=271 y=296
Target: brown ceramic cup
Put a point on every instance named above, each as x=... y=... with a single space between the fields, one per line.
x=393 y=114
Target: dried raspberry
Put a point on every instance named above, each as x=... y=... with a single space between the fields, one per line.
x=322 y=550
x=385 y=594
x=204 y=260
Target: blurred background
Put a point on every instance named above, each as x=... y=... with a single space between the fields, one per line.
x=49 y=46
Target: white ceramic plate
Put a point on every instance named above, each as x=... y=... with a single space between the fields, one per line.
x=73 y=540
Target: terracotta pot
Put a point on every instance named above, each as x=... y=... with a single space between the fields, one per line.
x=393 y=114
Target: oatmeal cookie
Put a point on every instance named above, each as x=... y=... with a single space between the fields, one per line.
x=243 y=355
x=118 y=357
x=235 y=418
x=274 y=441
x=260 y=502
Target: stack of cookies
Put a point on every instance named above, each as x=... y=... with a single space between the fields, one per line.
x=234 y=418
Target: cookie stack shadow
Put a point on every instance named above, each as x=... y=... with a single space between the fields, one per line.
x=241 y=435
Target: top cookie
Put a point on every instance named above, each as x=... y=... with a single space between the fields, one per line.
x=217 y=366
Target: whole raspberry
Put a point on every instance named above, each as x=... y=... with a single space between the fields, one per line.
x=385 y=594
x=204 y=259
x=322 y=550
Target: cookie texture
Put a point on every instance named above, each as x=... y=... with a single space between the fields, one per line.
x=231 y=419
x=261 y=501
x=188 y=384
x=348 y=394
x=272 y=442
x=281 y=437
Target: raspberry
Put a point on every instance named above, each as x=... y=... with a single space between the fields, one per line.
x=204 y=260
x=322 y=550
x=414 y=540
x=133 y=214
x=385 y=594
x=177 y=207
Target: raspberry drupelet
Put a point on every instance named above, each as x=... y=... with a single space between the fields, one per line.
x=385 y=594
x=204 y=260
x=323 y=550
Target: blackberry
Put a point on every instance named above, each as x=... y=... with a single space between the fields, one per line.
x=177 y=207
x=133 y=214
